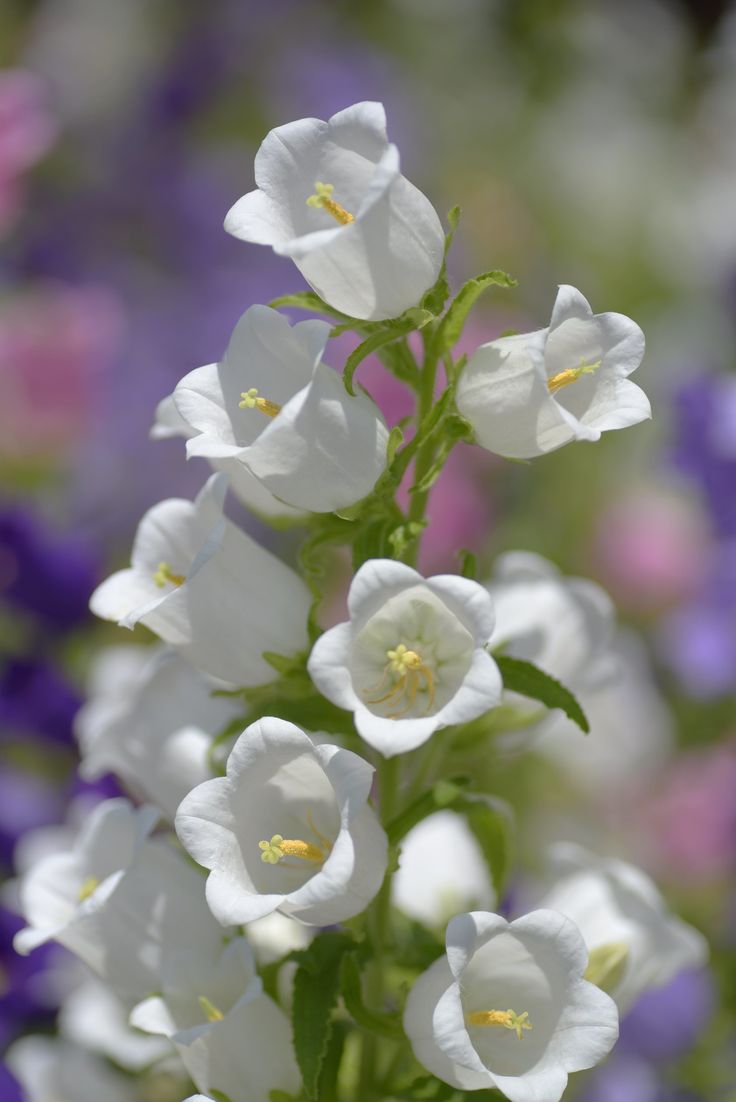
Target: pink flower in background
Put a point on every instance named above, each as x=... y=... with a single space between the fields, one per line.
x=651 y=549
x=55 y=344
x=26 y=133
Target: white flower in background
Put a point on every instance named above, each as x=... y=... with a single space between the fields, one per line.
x=273 y=406
x=230 y=1036
x=208 y=590
x=530 y=394
x=411 y=658
x=51 y=1070
x=275 y=935
x=119 y=899
x=441 y=871
x=169 y=423
x=635 y=942
x=330 y=195
x=289 y=828
x=508 y=1007
x=92 y=1017
x=150 y=718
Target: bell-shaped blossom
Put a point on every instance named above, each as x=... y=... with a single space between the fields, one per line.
x=273 y=406
x=206 y=588
x=119 y=899
x=531 y=393
x=288 y=828
x=331 y=196
x=508 y=1007
x=50 y=1070
x=150 y=719
x=412 y=657
x=91 y=1016
x=634 y=941
x=231 y=1037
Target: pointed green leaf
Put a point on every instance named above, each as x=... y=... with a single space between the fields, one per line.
x=528 y=680
x=308 y=300
x=491 y=822
x=455 y=318
x=316 y=988
x=384 y=1025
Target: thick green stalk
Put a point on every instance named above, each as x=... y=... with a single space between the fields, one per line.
x=426 y=452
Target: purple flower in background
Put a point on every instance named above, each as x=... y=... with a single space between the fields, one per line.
x=705 y=445
x=26 y=803
x=35 y=698
x=24 y=998
x=666 y=1022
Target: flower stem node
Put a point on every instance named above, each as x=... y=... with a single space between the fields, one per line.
x=507 y=1019
x=322 y=200
x=165 y=576
x=249 y=400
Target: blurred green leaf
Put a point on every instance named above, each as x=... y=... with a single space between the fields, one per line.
x=528 y=680
x=316 y=988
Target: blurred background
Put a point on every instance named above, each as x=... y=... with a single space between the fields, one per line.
x=588 y=142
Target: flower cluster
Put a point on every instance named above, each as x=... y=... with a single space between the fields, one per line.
x=236 y=909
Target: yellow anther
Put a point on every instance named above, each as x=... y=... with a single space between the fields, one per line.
x=87 y=888
x=165 y=575
x=279 y=847
x=322 y=200
x=210 y=1011
x=249 y=400
x=571 y=375
x=413 y=676
x=507 y=1019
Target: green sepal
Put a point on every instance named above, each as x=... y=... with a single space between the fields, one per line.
x=455 y=318
x=404 y=536
x=309 y=300
x=468 y=561
x=528 y=680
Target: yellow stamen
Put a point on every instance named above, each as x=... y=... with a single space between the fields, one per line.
x=322 y=200
x=210 y=1011
x=165 y=574
x=88 y=887
x=250 y=400
x=571 y=375
x=411 y=671
x=507 y=1019
x=280 y=847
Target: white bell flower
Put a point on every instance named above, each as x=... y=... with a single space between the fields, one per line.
x=441 y=871
x=208 y=590
x=508 y=1007
x=91 y=1016
x=411 y=659
x=118 y=899
x=273 y=406
x=231 y=1037
x=52 y=1070
x=150 y=718
x=634 y=941
x=330 y=195
x=529 y=394
x=289 y=829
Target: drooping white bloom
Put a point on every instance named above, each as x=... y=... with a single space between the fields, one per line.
x=150 y=718
x=441 y=871
x=508 y=1007
x=230 y=1036
x=119 y=899
x=530 y=394
x=289 y=828
x=92 y=1017
x=208 y=590
x=624 y=921
x=274 y=407
x=411 y=659
x=331 y=196
x=52 y=1070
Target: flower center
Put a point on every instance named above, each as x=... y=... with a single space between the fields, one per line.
x=249 y=400
x=322 y=200
x=507 y=1019
x=165 y=574
x=87 y=888
x=411 y=676
x=279 y=847
x=210 y=1011
x=571 y=375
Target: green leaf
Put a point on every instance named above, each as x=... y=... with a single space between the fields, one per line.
x=308 y=300
x=455 y=318
x=285 y=664
x=453 y=217
x=387 y=334
x=468 y=564
x=316 y=988
x=528 y=680
x=395 y=440
x=404 y=536
x=444 y=794
x=490 y=821
x=384 y=1025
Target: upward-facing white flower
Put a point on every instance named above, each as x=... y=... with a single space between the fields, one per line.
x=208 y=590
x=634 y=941
x=274 y=407
x=411 y=659
x=508 y=1007
x=288 y=828
x=330 y=195
x=530 y=394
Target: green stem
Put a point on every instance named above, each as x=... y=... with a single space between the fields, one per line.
x=426 y=452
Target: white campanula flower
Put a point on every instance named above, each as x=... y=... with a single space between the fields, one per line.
x=331 y=196
x=529 y=394
x=508 y=1007
x=272 y=406
x=231 y=1037
x=50 y=1070
x=289 y=828
x=118 y=898
x=92 y=1017
x=411 y=659
x=150 y=719
x=206 y=588
x=635 y=942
